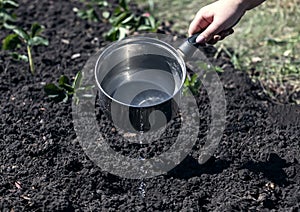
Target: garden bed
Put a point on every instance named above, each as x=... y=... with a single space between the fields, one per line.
x=43 y=167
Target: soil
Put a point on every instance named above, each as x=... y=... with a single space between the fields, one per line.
x=43 y=167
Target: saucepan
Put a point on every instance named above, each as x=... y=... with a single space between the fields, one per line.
x=140 y=81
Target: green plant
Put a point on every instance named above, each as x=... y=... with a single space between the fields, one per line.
x=90 y=13
x=192 y=83
x=64 y=90
x=30 y=39
x=7 y=18
x=124 y=22
x=87 y=14
x=234 y=57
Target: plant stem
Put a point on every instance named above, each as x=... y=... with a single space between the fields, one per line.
x=30 y=59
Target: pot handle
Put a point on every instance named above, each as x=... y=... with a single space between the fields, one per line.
x=188 y=48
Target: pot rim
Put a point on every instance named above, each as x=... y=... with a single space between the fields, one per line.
x=152 y=41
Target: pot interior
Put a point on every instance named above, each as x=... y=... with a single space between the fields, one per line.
x=140 y=74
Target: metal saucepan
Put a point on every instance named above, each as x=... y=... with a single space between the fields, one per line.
x=139 y=78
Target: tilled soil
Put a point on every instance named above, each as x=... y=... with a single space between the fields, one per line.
x=43 y=167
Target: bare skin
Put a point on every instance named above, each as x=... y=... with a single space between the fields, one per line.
x=217 y=19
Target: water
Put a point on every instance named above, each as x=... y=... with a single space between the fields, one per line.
x=142 y=189
x=136 y=88
x=145 y=80
x=142 y=186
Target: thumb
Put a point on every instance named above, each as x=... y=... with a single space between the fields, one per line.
x=208 y=33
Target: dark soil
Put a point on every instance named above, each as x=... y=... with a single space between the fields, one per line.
x=43 y=167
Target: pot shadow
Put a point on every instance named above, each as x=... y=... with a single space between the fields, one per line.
x=272 y=169
x=190 y=167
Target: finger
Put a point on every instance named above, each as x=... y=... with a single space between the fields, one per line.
x=214 y=40
x=199 y=23
x=220 y=36
x=226 y=33
x=208 y=33
x=197 y=26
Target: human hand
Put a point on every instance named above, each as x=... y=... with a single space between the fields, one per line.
x=217 y=19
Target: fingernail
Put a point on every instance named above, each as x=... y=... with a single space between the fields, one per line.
x=217 y=37
x=200 y=39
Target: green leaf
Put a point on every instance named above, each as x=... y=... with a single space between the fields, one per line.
x=187 y=82
x=8 y=25
x=194 y=78
x=143 y=27
x=89 y=14
x=117 y=20
x=192 y=84
x=219 y=69
x=10 y=4
x=124 y=4
x=117 y=11
x=66 y=98
x=102 y=3
x=37 y=41
x=63 y=80
x=68 y=88
x=11 y=42
x=64 y=83
x=78 y=80
x=112 y=34
x=19 y=57
x=82 y=14
x=55 y=93
x=152 y=22
x=21 y=33
x=36 y=29
x=128 y=19
x=52 y=89
x=273 y=42
x=92 y=15
x=122 y=33
x=6 y=16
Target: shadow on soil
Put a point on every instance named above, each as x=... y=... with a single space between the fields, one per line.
x=272 y=169
x=190 y=167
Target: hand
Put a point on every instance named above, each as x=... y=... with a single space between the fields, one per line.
x=217 y=19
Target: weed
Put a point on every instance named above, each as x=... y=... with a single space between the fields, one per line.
x=125 y=22
x=90 y=13
x=64 y=90
x=30 y=39
x=192 y=83
x=7 y=18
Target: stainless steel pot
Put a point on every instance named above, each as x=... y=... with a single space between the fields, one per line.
x=140 y=81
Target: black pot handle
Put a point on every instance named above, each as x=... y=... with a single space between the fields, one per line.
x=192 y=40
x=188 y=48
